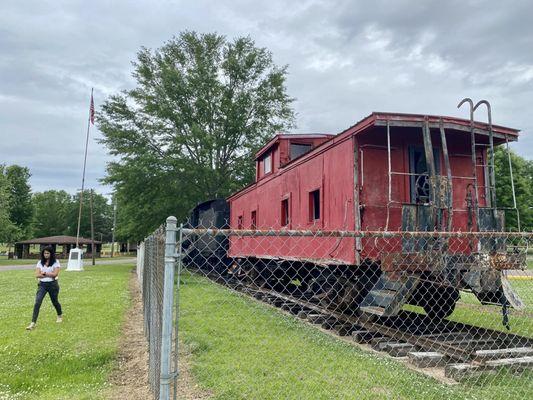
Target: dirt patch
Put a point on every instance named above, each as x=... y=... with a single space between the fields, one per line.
x=130 y=378
x=187 y=388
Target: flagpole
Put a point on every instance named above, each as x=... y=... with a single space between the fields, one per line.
x=84 y=165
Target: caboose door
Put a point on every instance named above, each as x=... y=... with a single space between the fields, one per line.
x=424 y=210
x=373 y=186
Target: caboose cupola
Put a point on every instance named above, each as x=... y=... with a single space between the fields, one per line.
x=283 y=149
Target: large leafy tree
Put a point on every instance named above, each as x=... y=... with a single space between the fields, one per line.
x=21 y=210
x=56 y=213
x=51 y=209
x=102 y=216
x=187 y=132
x=523 y=183
x=9 y=232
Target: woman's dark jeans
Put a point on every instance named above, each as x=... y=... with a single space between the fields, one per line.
x=51 y=288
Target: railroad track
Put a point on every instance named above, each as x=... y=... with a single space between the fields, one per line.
x=461 y=350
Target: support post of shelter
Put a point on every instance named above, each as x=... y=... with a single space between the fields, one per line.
x=25 y=251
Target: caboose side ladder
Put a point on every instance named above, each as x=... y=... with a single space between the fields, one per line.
x=490 y=164
x=475 y=226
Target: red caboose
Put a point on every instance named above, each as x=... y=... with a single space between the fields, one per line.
x=391 y=172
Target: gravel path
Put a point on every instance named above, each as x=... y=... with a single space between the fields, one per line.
x=64 y=263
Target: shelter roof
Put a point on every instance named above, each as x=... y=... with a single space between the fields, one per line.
x=58 y=240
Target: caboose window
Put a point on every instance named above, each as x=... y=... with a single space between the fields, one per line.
x=314 y=205
x=419 y=178
x=254 y=220
x=285 y=217
x=297 y=149
x=267 y=163
x=239 y=222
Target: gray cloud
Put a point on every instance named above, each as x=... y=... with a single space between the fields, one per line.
x=346 y=59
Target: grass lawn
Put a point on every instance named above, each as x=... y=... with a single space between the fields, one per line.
x=242 y=349
x=470 y=311
x=71 y=360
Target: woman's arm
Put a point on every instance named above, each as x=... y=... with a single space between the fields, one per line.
x=55 y=271
x=38 y=273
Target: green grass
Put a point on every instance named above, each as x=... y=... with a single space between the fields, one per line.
x=71 y=360
x=470 y=311
x=242 y=349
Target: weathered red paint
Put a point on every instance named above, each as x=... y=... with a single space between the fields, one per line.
x=344 y=205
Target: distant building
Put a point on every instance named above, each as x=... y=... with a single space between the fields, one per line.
x=22 y=249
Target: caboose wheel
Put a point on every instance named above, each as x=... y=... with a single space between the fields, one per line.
x=439 y=301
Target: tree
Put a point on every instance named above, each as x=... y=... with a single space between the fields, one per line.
x=102 y=216
x=9 y=232
x=202 y=107
x=56 y=213
x=21 y=210
x=51 y=209
x=523 y=183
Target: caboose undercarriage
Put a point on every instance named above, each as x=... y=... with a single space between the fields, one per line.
x=432 y=281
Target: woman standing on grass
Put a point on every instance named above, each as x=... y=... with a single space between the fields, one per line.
x=46 y=272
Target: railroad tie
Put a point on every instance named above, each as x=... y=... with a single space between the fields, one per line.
x=426 y=359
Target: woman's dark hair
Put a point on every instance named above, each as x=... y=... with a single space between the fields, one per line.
x=52 y=259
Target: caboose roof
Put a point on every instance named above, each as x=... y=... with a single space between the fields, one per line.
x=500 y=133
x=417 y=120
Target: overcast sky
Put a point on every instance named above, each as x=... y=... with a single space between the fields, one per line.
x=346 y=59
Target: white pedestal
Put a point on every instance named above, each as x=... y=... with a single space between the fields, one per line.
x=75 y=260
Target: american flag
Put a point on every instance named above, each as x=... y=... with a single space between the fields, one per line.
x=91 y=109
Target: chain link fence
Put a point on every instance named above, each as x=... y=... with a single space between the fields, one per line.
x=150 y=271
x=304 y=313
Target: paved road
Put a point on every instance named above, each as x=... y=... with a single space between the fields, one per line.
x=64 y=264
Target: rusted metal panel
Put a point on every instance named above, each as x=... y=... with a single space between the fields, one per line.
x=506 y=261
x=430 y=161
x=434 y=261
x=449 y=186
x=412 y=262
x=491 y=220
x=409 y=225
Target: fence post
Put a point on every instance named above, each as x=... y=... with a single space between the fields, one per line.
x=177 y=308
x=166 y=322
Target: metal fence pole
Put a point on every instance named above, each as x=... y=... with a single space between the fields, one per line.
x=167 y=314
x=177 y=310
